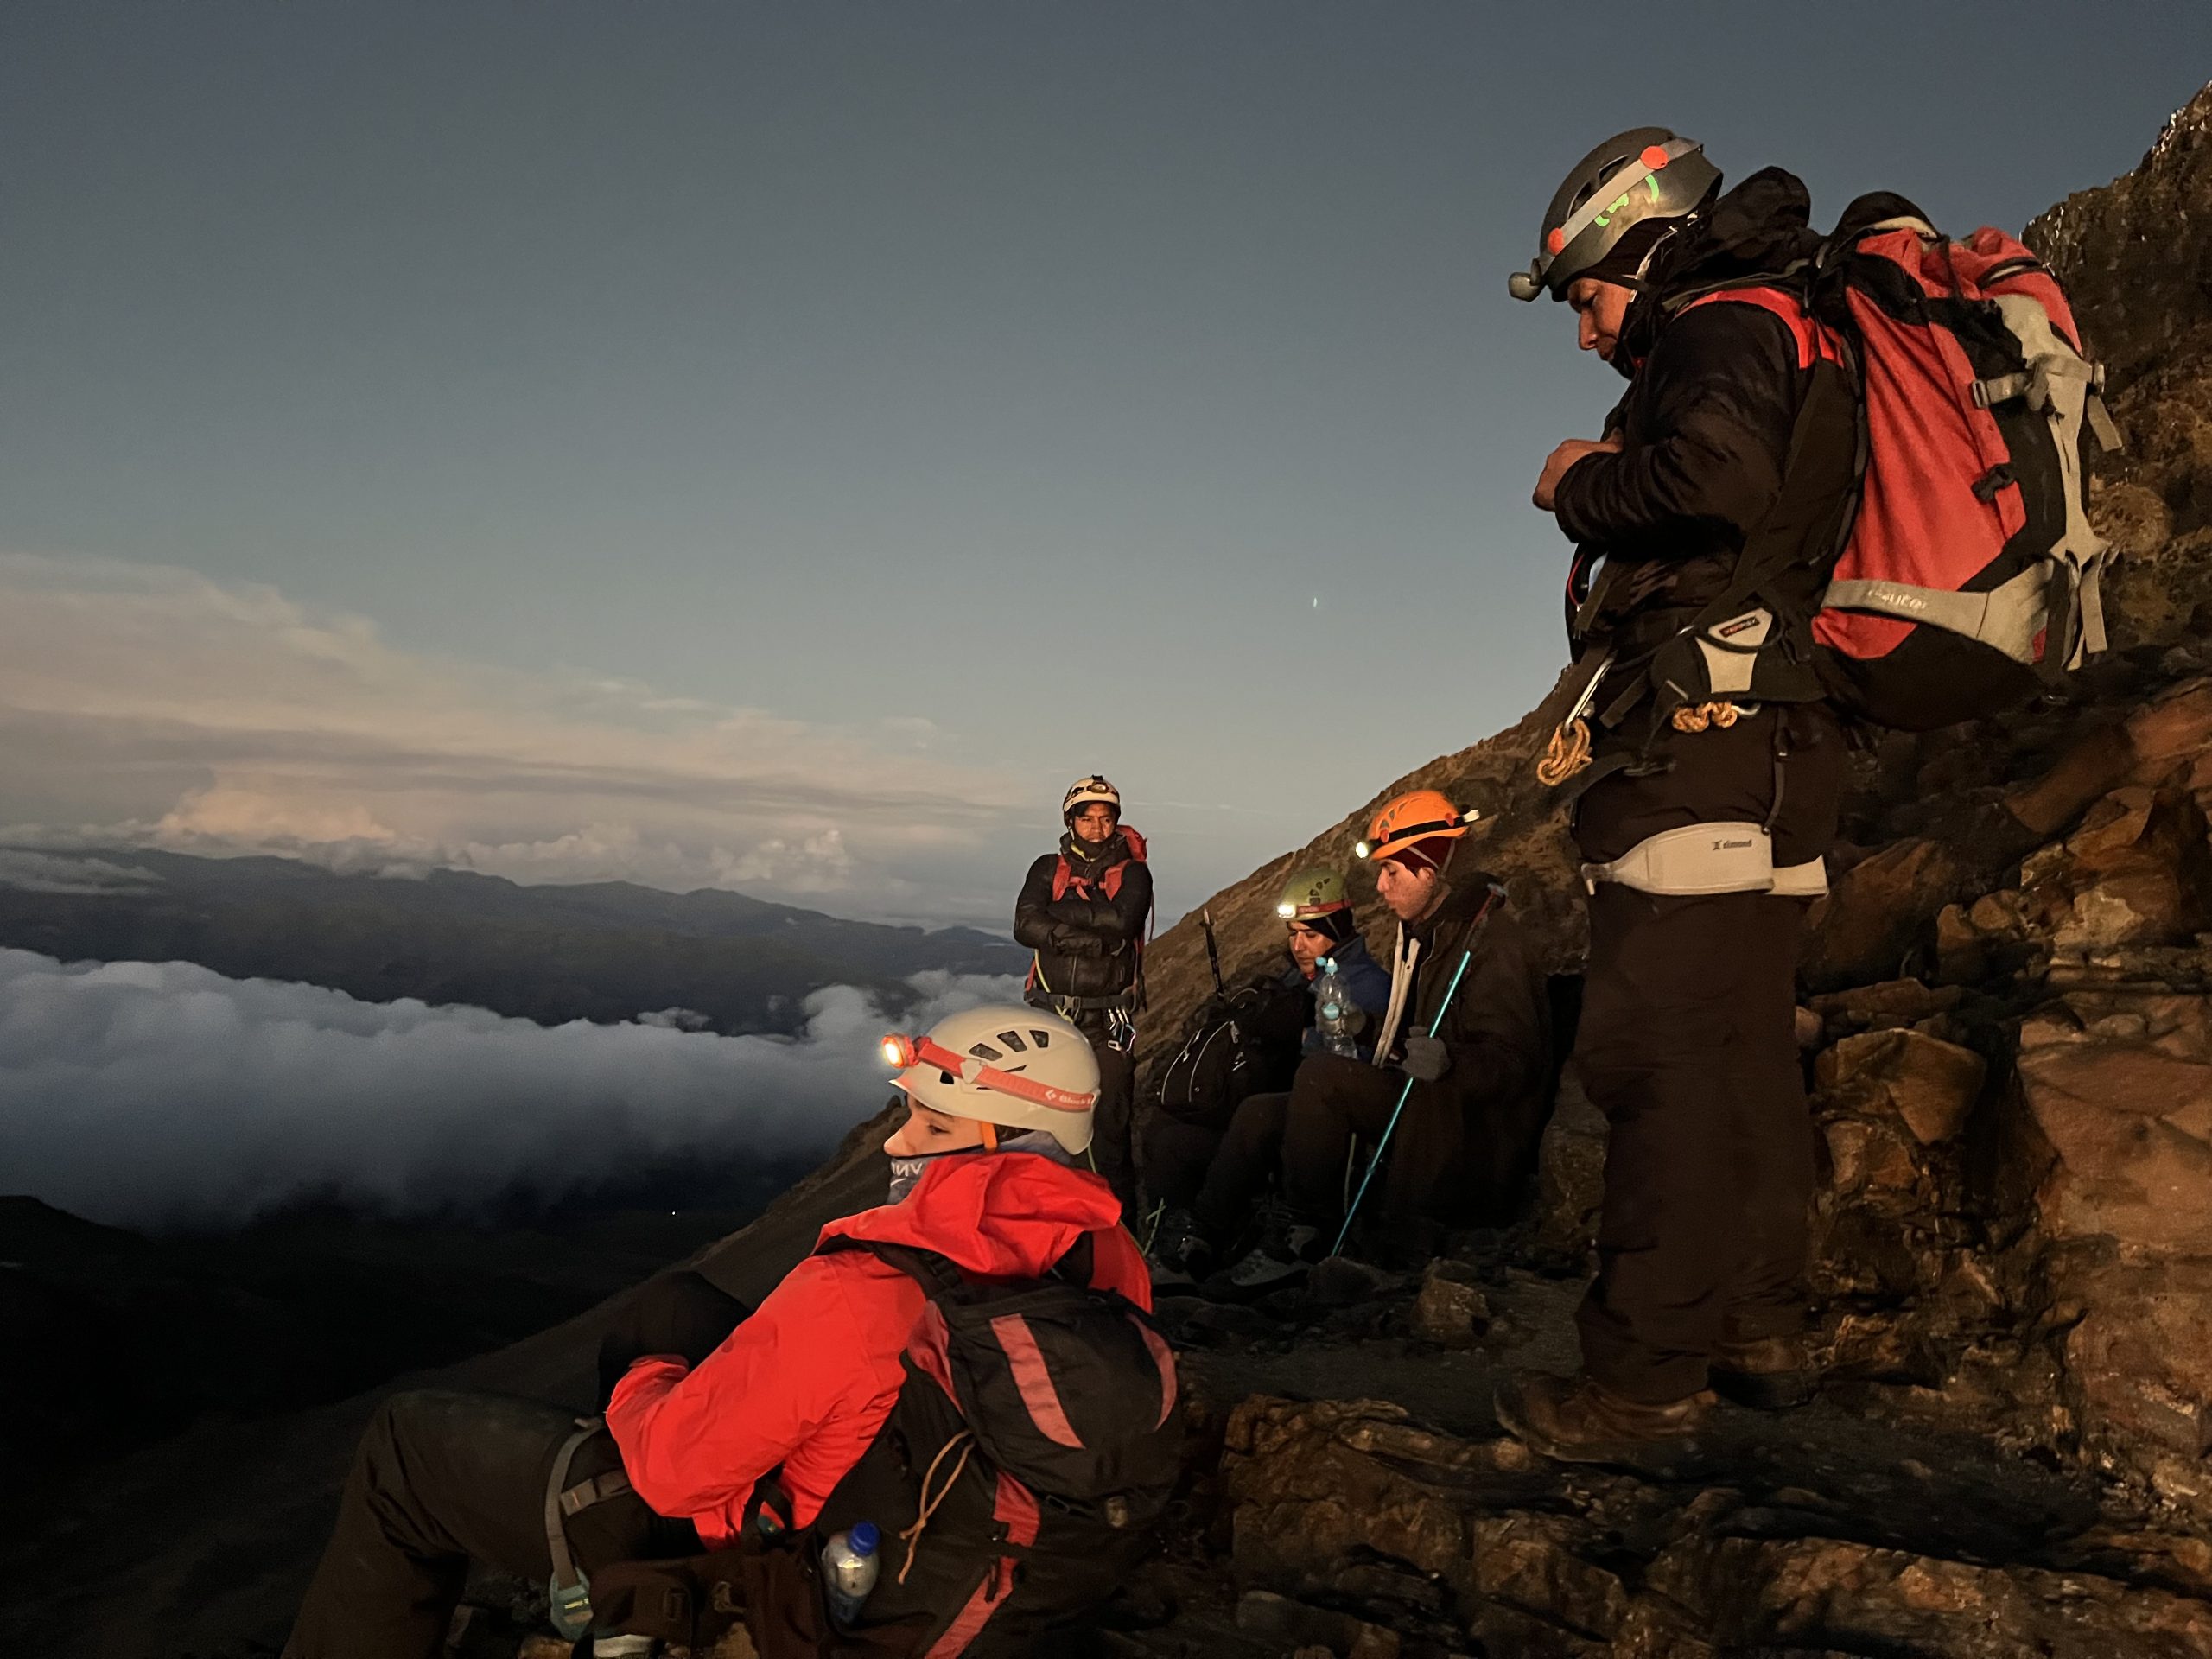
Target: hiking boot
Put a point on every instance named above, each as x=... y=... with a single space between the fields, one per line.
x=1180 y=1254
x=1765 y=1373
x=1575 y=1419
x=1281 y=1260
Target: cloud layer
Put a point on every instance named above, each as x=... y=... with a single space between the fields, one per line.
x=164 y=1093
x=149 y=705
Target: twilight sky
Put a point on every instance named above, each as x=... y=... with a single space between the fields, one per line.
x=781 y=445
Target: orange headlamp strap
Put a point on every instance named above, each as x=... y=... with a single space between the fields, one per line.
x=1404 y=832
x=969 y=1069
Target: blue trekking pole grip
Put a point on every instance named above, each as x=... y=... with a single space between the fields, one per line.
x=1404 y=1094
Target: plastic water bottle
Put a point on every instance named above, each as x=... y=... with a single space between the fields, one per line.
x=1335 y=1013
x=849 y=1565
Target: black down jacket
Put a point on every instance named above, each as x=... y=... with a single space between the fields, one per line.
x=1088 y=940
x=1713 y=396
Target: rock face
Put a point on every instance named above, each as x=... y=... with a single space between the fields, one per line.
x=2137 y=254
x=1347 y=1503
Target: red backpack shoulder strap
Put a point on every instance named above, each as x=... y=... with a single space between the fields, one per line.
x=1063 y=878
x=1110 y=881
x=1813 y=343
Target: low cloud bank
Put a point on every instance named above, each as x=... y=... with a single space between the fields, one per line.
x=163 y=1094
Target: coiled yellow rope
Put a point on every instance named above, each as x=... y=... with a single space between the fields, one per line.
x=1566 y=753
x=1696 y=717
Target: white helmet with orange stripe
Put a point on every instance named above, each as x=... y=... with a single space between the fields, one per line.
x=1005 y=1063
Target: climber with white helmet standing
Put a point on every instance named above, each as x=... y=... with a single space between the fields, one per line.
x=1084 y=911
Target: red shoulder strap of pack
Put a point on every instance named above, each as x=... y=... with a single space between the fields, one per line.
x=1112 y=881
x=1812 y=341
x=1109 y=879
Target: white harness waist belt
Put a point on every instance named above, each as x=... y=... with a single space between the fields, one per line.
x=1708 y=858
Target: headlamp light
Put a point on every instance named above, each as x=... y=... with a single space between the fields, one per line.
x=899 y=1052
x=1286 y=910
x=1361 y=849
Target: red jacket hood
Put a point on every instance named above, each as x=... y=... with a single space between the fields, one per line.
x=1009 y=1214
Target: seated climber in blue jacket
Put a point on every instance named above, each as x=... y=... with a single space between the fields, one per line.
x=1208 y=1178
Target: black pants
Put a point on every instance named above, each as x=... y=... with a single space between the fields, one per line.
x=441 y=1478
x=1218 y=1174
x=1687 y=1047
x=1335 y=1099
x=1111 y=1153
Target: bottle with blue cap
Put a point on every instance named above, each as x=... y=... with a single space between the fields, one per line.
x=849 y=1566
x=1335 y=1015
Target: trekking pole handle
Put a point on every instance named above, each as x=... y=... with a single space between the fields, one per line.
x=1213 y=950
x=1404 y=1094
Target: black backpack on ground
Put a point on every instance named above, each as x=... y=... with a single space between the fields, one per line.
x=1247 y=1042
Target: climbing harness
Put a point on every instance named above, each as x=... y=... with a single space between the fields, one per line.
x=569 y=1591
x=1700 y=859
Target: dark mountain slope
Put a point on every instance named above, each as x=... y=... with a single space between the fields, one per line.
x=604 y=952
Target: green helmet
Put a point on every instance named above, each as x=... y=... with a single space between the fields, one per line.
x=1644 y=174
x=1312 y=893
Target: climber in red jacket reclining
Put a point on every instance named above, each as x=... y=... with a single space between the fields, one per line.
x=701 y=1412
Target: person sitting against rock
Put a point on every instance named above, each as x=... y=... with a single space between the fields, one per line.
x=1208 y=1173
x=1083 y=911
x=709 y=1400
x=1468 y=1023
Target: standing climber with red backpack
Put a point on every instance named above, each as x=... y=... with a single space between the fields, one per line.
x=1084 y=911
x=1844 y=482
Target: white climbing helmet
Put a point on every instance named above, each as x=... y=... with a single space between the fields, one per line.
x=1085 y=790
x=1004 y=1063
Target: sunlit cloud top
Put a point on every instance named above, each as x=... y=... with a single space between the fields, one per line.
x=145 y=705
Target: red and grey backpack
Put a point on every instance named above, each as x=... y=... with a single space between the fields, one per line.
x=1962 y=574
x=1033 y=1445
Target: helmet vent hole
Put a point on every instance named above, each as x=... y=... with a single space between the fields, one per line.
x=985 y=1051
x=1041 y=1039
x=1013 y=1040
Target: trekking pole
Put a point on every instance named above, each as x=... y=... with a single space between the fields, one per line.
x=1384 y=1145
x=1213 y=950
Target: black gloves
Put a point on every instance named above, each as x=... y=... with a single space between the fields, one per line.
x=1425 y=1059
x=1074 y=942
